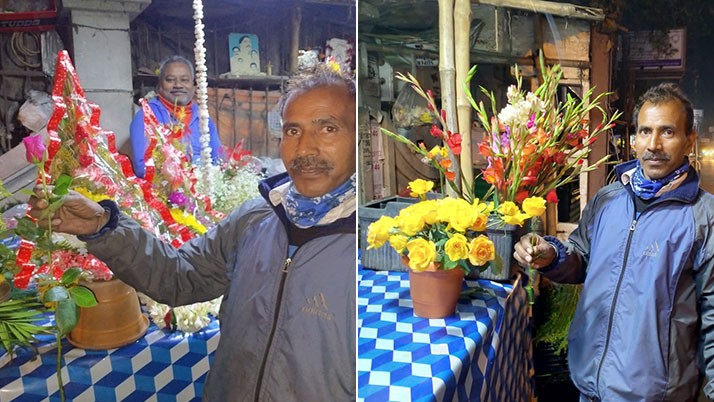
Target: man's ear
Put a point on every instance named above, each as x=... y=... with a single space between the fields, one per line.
x=692 y=138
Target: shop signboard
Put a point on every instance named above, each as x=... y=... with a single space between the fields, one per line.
x=43 y=18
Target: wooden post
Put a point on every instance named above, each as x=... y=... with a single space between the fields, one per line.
x=600 y=81
x=462 y=26
x=295 y=37
x=447 y=73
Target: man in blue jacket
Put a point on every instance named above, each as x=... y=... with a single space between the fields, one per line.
x=173 y=106
x=644 y=249
x=285 y=262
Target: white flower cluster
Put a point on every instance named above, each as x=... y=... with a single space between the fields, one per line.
x=202 y=87
x=230 y=186
x=519 y=109
x=190 y=318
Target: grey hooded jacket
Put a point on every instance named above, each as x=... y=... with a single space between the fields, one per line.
x=644 y=325
x=287 y=324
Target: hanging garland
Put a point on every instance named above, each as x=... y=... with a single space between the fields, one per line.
x=202 y=92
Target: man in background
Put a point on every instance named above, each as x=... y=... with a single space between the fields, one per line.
x=173 y=106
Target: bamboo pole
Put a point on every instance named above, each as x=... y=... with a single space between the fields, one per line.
x=447 y=71
x=462 y=26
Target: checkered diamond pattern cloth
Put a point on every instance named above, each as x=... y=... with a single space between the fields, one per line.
x=480 y=354
x=161 y=366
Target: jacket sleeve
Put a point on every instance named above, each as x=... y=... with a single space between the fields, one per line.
x=138 y=143
x=704 y=265
x=570 y=266
x=197 y=271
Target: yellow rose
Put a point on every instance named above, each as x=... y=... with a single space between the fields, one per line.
x=378 y=231
x=420 y=187
x=398 y=242
x=422 y=253
x=428 y=210
x=481 y=250
x=516 y=219
x=444 y=208
x=462 y=215
x=410 y=221
x=457 y=248
x=480 y=222
x=534 y=206
x=508 y=208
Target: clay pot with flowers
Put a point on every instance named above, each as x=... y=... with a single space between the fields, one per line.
x=440 y=241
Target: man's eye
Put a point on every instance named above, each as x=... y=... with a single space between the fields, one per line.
x=291 y=132
x=330 y=129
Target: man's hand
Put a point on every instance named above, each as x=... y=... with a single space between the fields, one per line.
x=78 y=214
x=532 y=250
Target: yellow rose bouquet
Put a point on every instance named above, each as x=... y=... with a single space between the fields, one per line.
x=445 y=233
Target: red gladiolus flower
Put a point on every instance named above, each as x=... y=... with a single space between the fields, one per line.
x=454 y=142
x=436 y=131
x=443 y=114
x=484 y=149
x=552 y=197
x=445 y=163
x=35 y=148
x=450 y=176
x=521 y=195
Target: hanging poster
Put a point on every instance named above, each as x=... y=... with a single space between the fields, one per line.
x=244 y=54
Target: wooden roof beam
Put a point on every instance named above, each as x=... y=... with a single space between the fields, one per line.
x=547 y=7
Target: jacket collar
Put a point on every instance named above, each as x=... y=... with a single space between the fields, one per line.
x=687 y=191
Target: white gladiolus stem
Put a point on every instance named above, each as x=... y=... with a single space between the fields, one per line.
x=202 y=92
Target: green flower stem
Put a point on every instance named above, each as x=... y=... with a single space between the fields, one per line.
x=59 y=365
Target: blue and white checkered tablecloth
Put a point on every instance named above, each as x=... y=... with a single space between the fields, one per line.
x=482 y=353
x=162 y=365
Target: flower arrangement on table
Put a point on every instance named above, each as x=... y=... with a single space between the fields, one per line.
x=445 y=233
x=533 y=145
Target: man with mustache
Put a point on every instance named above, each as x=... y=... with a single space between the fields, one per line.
x=285 y=262
x=644 y=250
x=173 y=106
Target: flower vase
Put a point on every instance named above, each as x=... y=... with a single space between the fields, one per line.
x=434 y=292
x=115 y=321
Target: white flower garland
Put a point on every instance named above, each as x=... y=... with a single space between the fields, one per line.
x=202 y=90
x=189 y=319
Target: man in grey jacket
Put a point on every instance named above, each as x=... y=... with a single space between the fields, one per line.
x=285 y=263
x=644 y=325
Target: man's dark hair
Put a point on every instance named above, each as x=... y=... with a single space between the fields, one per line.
x=319 y=76
x=175 y=59
x=667 y=92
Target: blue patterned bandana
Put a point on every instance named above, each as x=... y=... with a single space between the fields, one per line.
x=648 y=189
x=305 y=212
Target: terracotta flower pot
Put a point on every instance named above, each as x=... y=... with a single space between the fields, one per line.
x=115 y=321
x=435 y=293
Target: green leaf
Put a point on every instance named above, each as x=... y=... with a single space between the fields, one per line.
x=27 y=228
x=71 y=276
x=66 y=316
x=82 y=296
x=56 y=294
x=62 y=185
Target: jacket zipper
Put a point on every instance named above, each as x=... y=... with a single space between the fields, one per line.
x=283 y=276
x=614 y=302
